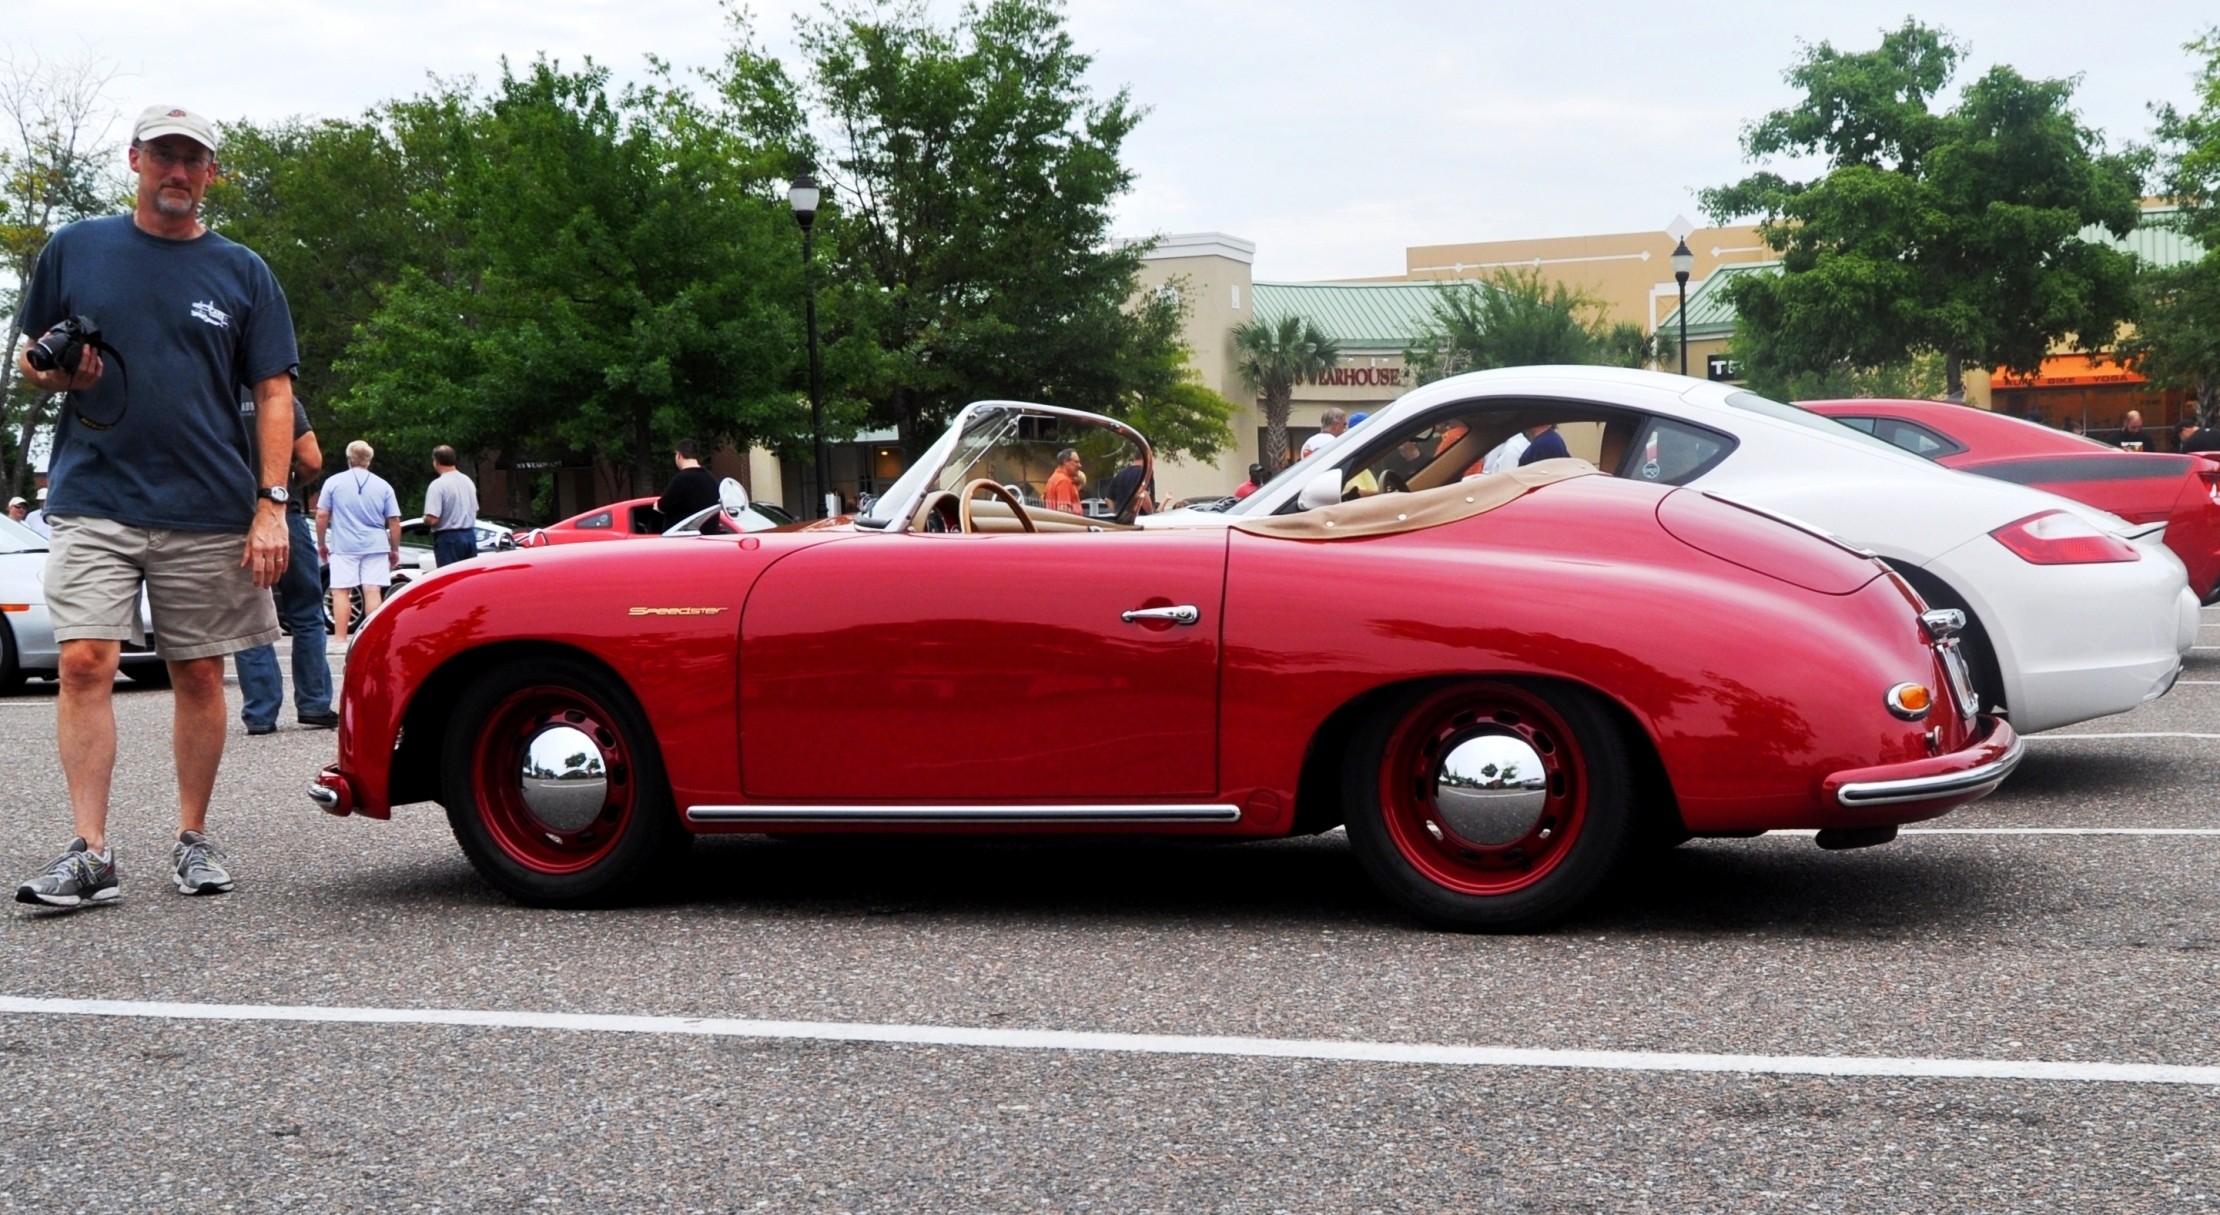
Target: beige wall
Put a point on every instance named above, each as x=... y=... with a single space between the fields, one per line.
x=1630 y=272
x=1210 y=270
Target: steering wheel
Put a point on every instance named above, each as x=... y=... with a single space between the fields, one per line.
x=1394 y=482
x=992 y=486
x=939 y=513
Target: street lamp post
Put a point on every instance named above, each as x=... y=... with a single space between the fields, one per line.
x=803 y=195
x=1683 y=262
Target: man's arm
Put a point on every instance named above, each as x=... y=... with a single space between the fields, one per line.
x=393 y=538
x=308 y=458
x=435 y=501
x=323 y=521
x=267 y=543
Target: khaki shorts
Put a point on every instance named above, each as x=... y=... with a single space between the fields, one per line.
x=204 y=603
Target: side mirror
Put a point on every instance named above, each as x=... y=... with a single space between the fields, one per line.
x=732 y=497
x=1323 y=489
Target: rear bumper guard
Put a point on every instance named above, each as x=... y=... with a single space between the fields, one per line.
x=1960 y=776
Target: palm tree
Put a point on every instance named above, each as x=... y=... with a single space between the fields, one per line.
x=1272 y=357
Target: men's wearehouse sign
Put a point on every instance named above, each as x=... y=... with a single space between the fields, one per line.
x=1361 y=377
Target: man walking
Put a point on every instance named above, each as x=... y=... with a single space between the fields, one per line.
x=692 y=488
x=300 y=605
x=152 y=484
x=1331 y=425
x=358 y=534
x=451 y=510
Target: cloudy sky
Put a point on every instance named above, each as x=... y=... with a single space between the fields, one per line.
x=1330 y=132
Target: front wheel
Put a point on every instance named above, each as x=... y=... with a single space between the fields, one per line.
x=1489 y=805
x=554 y=786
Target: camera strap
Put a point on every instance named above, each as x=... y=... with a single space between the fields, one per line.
x=76 y=398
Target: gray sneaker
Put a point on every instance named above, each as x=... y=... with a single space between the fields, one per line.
x=80 y=877
x=200 y=865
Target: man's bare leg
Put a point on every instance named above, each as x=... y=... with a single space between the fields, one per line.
x=372 y=596
x=85 y=725
x=339 y=614
x=197 y=729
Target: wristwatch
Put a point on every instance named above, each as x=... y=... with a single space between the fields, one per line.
x=275 y=493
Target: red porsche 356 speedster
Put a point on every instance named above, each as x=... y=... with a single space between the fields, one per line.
x=1504 y=687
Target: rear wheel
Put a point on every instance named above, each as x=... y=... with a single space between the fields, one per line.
x=11 y=668
x=1489 y=805
x=554 y=786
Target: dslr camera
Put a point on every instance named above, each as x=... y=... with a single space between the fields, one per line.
x=64 y=344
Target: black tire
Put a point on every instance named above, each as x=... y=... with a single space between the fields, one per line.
x=1578 y=836
x=148 y=674
x=605 y=856
x=11 y=670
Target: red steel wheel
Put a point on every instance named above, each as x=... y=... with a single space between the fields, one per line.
x=553 y=778
x=555 y=790
x=1489 y=804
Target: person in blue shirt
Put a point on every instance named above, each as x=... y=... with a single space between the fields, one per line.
x=1543 y=443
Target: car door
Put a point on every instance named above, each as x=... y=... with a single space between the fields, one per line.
x=987 y=669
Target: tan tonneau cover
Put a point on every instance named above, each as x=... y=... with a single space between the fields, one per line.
x=1387 y=514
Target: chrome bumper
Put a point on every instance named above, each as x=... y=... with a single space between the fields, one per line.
x=1971 y=782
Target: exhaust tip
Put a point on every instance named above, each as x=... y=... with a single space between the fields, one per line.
x=1839 y=839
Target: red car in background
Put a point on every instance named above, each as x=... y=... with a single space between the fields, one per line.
x=636 y=519
x=2181 y=491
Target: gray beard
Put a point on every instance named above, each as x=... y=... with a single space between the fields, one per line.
x=173 y=208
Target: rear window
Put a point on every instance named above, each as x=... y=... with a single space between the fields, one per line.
x=1750 y=402
x=595 y=521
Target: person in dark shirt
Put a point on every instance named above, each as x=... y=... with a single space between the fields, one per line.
x=693 y=488
x=2131 y=435
x=1129 y=489
x=1543 y=443
x=2193 y=438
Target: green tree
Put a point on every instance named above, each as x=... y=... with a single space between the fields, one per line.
x=2189 y=146
x=1273 y=357
x=1955 y=232
x=56 y=167
x=294 y=192
x=605 y=274
x=1514 y=317
x=2176 y=342
x=970 y=173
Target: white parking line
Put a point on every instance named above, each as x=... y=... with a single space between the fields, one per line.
x=2059 y=831
x=1151 y=1044
x=2146 y=734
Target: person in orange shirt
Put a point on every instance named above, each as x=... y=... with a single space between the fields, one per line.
x=1062 y=492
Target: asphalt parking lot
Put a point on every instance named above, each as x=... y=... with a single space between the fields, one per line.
x=2028 y=990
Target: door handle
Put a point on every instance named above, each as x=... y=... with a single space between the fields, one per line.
x=1183 y=614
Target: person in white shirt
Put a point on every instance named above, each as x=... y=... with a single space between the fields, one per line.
x=358 y=533
x=1331 y=424
x=1506 y=455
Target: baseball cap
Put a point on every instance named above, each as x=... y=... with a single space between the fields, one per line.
x=158 y=120
x=17 y=501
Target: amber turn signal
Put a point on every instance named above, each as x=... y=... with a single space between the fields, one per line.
x=1910 y=701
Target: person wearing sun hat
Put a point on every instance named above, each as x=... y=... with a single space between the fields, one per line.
x=154 y=484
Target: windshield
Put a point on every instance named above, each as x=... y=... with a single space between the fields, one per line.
x=1047 y=459
x=16 y=538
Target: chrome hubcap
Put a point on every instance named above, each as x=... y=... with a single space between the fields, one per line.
x=1490 y=789
x=563 y=780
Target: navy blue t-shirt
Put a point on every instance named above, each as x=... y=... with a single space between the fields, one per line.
x=193 y=320
x=1548 y=445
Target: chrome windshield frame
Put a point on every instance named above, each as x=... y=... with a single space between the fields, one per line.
x=894 y=510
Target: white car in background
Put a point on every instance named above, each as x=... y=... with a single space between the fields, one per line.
x=27 y=646
x=2073 y=613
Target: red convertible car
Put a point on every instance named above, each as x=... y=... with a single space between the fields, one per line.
x=1505 y=687
x=2183 y=492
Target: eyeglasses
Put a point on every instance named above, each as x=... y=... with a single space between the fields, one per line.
x=190 y=161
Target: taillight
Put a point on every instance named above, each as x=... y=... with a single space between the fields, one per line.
x=2056 y=537
x=2210 y=475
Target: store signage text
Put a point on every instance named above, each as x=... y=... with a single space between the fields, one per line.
x=1365 y=377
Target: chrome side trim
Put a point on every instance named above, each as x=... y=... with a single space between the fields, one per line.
x=1921 y=788
x=964 y=814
